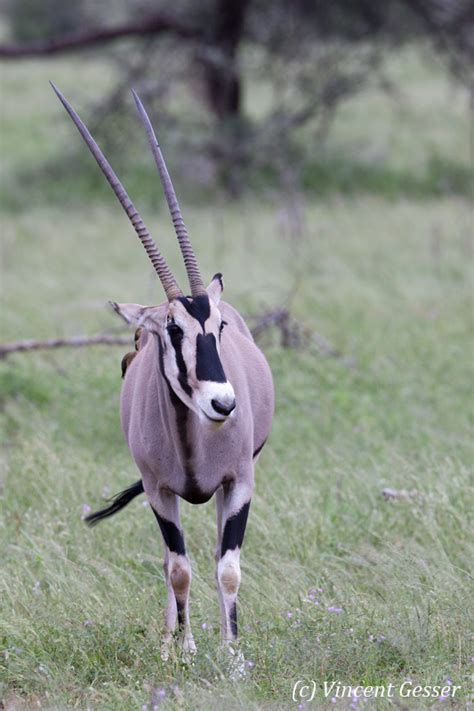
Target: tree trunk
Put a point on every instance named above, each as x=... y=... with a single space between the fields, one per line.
x=221 y=72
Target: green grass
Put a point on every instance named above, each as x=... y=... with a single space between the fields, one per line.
x=389 y=283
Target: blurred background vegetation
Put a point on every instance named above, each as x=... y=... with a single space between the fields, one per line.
x=251 y=95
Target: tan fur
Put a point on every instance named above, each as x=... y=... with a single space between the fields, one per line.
x=229 y=578
x=180 y=579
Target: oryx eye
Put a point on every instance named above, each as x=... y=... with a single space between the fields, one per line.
x=174 y=329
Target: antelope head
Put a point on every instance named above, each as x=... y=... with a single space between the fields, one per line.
x=189 y=332
x=188 y=328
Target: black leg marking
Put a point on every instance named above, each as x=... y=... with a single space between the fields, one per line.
x=172 y=535
x=192 y=492
x=233 y=619
x=259 y=449
x=234 y=529
x=180 y=607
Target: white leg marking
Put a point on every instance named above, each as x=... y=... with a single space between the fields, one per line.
x=228 y=580
x=171 y=612
x=180 y=577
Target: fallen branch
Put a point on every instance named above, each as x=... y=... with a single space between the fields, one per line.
x=292 y=335
x=33 y=344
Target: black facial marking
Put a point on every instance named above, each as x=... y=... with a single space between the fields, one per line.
x=171 y=534
x=234 y=529
x=233 y=619
x=259 y=449
x=174 y=330
x=199 y=308
x=208 y=364
x=177 y=343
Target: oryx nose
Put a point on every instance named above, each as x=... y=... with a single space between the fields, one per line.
x=223 y=408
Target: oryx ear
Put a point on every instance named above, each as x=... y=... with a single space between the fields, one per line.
x=215 y=288
x=131 y=313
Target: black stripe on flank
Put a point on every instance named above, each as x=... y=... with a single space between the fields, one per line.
x=199 y=307
x=192 y=491
x=171 y=534
x=208 y=364
x=180 y=408
x=259 y=449
x=233 y=620
x=234 y=529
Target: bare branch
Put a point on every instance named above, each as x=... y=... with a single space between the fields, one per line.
x=292 y=335
x=32 y=344
x=153 y=25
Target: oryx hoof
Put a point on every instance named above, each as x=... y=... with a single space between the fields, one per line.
x=188 y=650
x=166 y=646
x=237 y=662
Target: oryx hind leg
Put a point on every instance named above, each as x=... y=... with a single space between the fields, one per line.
x=177 y=572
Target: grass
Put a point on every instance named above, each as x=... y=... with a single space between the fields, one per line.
x=389 y=283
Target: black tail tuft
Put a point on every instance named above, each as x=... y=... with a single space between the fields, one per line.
x=118 y=502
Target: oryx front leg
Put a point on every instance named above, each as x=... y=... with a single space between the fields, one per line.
x=235 y=508
x=177 y=572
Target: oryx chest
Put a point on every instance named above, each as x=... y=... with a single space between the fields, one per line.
x=192 y=466
x=176 y=452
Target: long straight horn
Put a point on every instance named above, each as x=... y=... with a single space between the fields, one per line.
x=190 y=261
x=167 y=279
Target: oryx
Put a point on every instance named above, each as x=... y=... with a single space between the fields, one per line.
x=196 y=408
